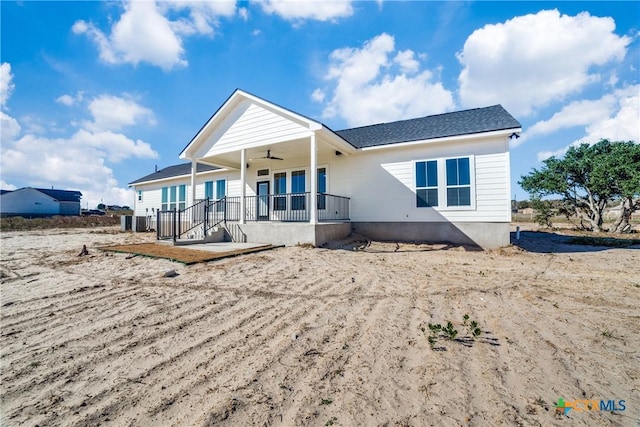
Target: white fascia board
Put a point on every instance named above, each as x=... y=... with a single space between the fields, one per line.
x=235 y=100
x=311 y=124
x=335 y=141
x=445 y=139
x=155 y=181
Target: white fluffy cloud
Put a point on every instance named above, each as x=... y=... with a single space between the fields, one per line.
x=532 y=60
x=64 y=163
x=369 y=89
x=65 y=100
x=81 y=161
x=7 y=186
x=113 y=113
x=615 y=116
x=144 y=33
x=297 y=10
x=69 y=100
x=203 y=15
x=6 y=83
x=9 y=128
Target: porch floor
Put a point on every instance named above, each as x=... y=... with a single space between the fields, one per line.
x=195 y=253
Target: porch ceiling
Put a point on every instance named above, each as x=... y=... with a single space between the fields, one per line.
x=287 y=150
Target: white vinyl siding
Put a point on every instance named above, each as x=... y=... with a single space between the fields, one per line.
x=252 y=126
x=381 y=183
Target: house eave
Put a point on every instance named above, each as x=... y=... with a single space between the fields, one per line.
x=456 y=138
x=170 y=178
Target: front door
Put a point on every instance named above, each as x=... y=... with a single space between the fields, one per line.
x=263 y=201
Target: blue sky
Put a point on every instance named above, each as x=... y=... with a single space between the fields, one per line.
x=95 y=94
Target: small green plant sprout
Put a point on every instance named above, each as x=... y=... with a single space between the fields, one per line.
x=331 y=421
x=476 y=332
x=326 y=401
x=465 y=319
x=540 y=402
x=435 y=327
x=450 y=332
x=432 y=341
x=607 y=333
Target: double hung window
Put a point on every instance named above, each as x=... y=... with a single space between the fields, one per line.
x=444 y=183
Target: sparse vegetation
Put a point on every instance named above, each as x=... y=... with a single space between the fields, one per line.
x=607 y=333
x=331 y=421
x=17 y=223
x=326 y=401
x=588 y=178
x=449 y=332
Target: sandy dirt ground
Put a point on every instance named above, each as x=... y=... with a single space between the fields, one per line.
x=316 y=336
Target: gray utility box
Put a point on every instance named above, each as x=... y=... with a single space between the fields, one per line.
x=140 y=223
x=125 y=222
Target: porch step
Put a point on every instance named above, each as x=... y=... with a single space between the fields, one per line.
x=216 y=235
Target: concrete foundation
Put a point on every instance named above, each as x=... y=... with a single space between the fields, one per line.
x=287 y=233
x=486 y=235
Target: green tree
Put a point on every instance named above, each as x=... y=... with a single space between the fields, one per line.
x=587 y=178
x=624 y=163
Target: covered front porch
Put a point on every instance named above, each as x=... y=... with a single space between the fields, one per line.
x=204 y=219
x=275 y=164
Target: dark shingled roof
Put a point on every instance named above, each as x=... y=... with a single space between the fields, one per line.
x=457 y=123
x=61 y=195
x=175 y=170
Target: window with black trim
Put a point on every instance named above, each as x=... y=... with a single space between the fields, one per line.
x=427 y=184
x=458 y=182
x=322 y=188
x=280 y=187
x=174 y=197
x=298 y=203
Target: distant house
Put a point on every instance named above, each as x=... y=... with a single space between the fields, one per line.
x=267 y=174
x=36 y=202
x=526 y=211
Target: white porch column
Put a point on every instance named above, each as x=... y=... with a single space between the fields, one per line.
x=313 y=217
x=243 y=185
x=194 y=169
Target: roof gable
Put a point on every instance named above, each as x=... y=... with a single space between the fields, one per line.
x=477 y=120
x=234 y=119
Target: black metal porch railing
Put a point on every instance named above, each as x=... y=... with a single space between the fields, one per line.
x=197 y=219
x=205 y=214
x=290 y=207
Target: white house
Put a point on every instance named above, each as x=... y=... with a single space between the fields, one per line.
x=267 y=174
x=35 y=202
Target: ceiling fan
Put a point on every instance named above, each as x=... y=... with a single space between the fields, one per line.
x=270 y=157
